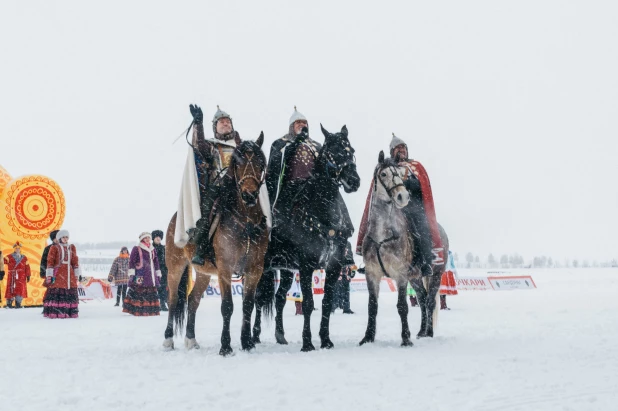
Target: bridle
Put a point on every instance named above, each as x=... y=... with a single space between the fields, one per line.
x=395 y=175
x=251 y=175
x=331 y=164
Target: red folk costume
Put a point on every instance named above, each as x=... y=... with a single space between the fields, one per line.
x=62 y=299
x=18 y=274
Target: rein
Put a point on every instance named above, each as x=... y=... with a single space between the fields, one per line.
x=379 y=245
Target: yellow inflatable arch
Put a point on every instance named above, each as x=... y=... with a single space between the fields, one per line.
x=31 y=207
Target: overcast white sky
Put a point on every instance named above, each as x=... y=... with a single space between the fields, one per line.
x=511 y=106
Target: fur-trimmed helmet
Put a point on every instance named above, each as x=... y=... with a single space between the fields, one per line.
x=297 y=115
x=218 y=116
x=396 y=141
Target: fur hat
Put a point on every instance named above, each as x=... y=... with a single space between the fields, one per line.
x=144 y=235
x=18 y=244
x=157 y=233
x=62 y=233
x=123 y=249
x=297 y=115
x=52 y=235
x=396 y=141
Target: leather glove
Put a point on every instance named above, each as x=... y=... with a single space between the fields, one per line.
x=303 y=135
x=196 y=112
x=28 y=279
x=1 y=275
x=110 y=278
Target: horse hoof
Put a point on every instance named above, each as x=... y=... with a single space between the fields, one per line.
x=248 y=346
x=366 y=340
x=168 y=344
x=327 y=344
x=281 y=339
x=226 y=351
x=256 y=340
x=307 y=347
x=406 y=343
x=191 y=343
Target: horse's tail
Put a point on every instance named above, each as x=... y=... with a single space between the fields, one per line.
x=180 y=311
x=265 y=293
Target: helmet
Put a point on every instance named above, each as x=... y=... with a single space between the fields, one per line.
x=296 y=116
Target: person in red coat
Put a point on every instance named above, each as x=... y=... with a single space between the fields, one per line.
x=62 y=299
x=18 y=270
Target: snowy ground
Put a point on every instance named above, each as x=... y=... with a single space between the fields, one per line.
x=554 y=348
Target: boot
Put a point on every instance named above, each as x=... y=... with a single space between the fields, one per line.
x=163 y=306
x=443 y=303
x=203 y=249
x=9 y=303
x=17 y=303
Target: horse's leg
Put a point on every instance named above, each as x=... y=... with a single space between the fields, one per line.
x=306 y=280
x=373 y=286
x=332 y=274
x=402 y=308
x=174 y=275
x=264 y=299
x=421 y=294
x=201 y=284
x=285 y=282
x=248 y=302
x=227 y=309
x=433 y=287
x=257 y=325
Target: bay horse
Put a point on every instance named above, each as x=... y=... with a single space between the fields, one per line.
x=315 y=233
x=388 y=250
x=240 y=242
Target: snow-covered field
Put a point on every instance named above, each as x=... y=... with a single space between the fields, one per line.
x=553 y=348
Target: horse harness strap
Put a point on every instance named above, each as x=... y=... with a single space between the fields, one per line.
x=379 y=245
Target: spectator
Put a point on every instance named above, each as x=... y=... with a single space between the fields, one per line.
x=18 y=269
x=157 y=237
x=61 y=299
x=144 y=279
x=119 y=274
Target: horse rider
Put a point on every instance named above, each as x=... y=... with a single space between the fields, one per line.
x=290 y=165
x=420 y=211
x=212 y=157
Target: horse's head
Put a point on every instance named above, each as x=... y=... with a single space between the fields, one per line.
x=339 y=160
x=388 y=182
x=248 y=165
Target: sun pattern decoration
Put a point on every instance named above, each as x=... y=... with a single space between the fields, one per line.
x=33 y=206
x=5 y=177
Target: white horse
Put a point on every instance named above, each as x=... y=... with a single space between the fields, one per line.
x=388 y=249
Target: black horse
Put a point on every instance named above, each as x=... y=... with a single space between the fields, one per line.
x=312 y=234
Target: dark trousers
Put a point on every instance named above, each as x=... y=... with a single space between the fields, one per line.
x=121 y=293
x=419 y=226
x=163 y=295
x=341 y=295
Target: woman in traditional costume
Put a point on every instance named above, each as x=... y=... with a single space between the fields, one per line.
x=61 y=276
x=144 y=279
